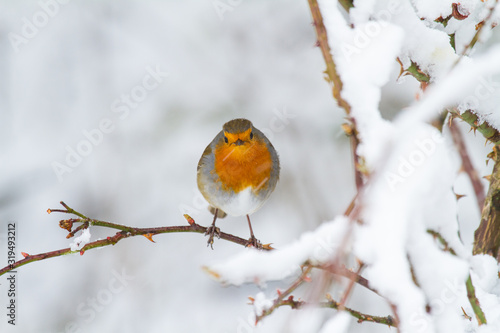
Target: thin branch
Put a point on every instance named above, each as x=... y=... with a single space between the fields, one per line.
x=471 y=292
x=334 y=77
x=281 y=295
x=474 y=302
x=331 y=69
x=488 y=131
x=478 y=33
x=125 y=232
x=467 y=164
x=350 y=287
x=388 y=320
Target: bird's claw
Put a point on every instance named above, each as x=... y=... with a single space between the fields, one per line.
x=252 y=241
x=212 y=231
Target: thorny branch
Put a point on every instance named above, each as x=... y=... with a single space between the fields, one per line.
x=281 y=295
x=330 y=303
x=471 y=293
x=285 y=298
x=334 y=77
x=477 y=185
x=124 y=232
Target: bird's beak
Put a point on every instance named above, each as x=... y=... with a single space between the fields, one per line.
x=239 y=142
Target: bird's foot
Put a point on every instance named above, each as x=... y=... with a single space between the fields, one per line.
x=252 y=241
x=212 y=231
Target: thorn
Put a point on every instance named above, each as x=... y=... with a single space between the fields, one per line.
x=401 y=71
x=212 y=273
x=307 y=279
x=252 y=300
x=348 y=130
x=189 y=219
x=488 y=177
x=25 y=254
x=492 y=154
x=317 y=44
x=466 y=315
x=82 y=252
x=267 y=246
x=278 y=292
x=459 y=196
x=150 y=237
x=108 y=238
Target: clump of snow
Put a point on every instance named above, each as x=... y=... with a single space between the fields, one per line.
x=485 y=269
x=261 y=303
x=364 y=57
x=252 y=266
x=80 y=241
x=431 y=10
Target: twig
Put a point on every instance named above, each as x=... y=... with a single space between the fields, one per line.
x=334 y=78
x=467 y=164
x=488 y=131
x=471 y=292
x=388 y=320
x=474 y=302
x=331 y=69
x=350 y=287
x=282 y=295
x=125 y=232
x=474 y=39
x=353 y=276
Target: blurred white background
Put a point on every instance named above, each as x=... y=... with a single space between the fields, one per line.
x=256 y=60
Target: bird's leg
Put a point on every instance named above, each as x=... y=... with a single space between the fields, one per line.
x=252 y=241
x=213 y=231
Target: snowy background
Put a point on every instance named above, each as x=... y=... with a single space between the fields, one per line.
x=256 y=60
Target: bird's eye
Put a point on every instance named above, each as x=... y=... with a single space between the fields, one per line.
x=225 y=139
x=251 y=135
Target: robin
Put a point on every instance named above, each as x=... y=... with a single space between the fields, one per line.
x=237 y=173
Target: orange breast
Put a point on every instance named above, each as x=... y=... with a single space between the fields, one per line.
x=241 y=166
